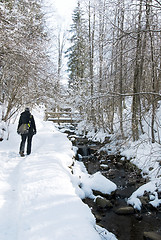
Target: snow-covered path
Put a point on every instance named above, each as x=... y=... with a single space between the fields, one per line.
x=37 y=198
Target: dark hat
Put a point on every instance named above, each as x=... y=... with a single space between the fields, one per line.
x=27 y=109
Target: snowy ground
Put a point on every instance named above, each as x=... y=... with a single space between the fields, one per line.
x=40 y=199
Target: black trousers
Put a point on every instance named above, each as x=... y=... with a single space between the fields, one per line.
x=23 y=141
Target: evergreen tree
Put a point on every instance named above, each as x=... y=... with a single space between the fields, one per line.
x=77 y=53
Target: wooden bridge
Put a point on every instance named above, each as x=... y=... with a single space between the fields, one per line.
x=62 y=116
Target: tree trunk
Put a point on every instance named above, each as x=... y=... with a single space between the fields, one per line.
x=121 y=23
x=91 y=61
x=153 y=88
x=101 y=52
x=136 y=83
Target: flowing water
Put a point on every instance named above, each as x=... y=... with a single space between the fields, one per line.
x=127 y=178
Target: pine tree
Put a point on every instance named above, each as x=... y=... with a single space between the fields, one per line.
x=77 y=53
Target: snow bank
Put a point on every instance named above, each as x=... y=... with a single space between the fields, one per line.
x=146 y=156
x=149 y=188
x=85 y=183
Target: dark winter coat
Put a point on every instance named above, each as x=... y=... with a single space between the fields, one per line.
x=26 y=117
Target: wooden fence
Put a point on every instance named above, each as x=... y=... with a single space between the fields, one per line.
x=62 y=117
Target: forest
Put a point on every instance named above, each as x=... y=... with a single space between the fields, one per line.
x=113 y=54
x=100 y=178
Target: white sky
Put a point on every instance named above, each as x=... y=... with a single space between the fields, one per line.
x=65 y=7
x=63 y=10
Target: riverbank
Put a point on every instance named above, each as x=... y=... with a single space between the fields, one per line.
x=113 y=212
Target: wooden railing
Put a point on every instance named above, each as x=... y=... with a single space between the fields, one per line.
x=61 y=117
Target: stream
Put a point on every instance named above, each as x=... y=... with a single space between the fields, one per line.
x=126 y=226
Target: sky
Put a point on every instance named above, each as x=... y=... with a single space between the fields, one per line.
x=65 y=8
x=62 y=9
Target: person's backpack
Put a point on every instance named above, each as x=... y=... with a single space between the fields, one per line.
x=24 y=128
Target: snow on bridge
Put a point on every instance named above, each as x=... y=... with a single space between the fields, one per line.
x=62 y=115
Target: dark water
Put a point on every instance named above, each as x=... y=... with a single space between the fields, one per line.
x=127 y=178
